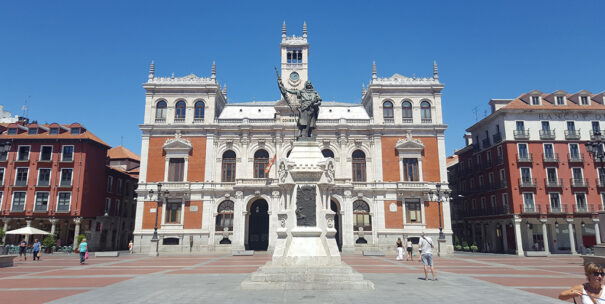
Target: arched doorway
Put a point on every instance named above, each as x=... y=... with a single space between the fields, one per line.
x=258 y=226
x=335 y=207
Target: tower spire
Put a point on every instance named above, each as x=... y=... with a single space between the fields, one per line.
x=283 y=30
x=374 y=70
x=305 y=29
x=363 y=89
x=435 y=70
x=152 y=70
x=213 y=76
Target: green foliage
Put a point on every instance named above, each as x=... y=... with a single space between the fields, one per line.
x=2 y=233
x=466 y=248
x=49 y=241
x=464 y=244
x=80 y=238
x=456 y=240
x=474 y=247
x=458 y=247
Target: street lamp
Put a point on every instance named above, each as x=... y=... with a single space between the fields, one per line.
x=161 y=195
x=595 y=149
x=440 y=194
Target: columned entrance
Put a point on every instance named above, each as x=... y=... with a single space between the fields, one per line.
x=258 y=226
x=336 y=208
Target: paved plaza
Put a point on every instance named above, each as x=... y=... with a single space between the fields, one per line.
x=463 y=278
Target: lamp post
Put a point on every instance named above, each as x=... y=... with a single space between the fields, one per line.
x=595 y=149
x=440 y=194
x=155 y=239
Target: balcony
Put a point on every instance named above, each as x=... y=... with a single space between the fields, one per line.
x=530 y=209
x=18 y=208
x=407 y=120
x=489 y=211
x=601 y=182
x=160 y=120
x=575 y=157
x=179 y=120
x=485 y=143
x=547 y=134
x=557 y=209
x=583 y=209
x=572 y=134
x=496 y=138
x=550 y=157
x=579 y=182
x=389 y=120
x=525 y=158
x=426 y=121
x=527 y=183
x=553 y=182
x=521 y=134
x=596 y=134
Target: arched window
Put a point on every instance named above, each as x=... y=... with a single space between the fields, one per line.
x=160 y=111
x=224 y=217
x=361 y=216
x=359 y=166
x=425 y=111
x=406 y=110
x=387 y=109
x=228 y=167
x=180 y=110
x=261 y=160
x=327 y=153
x=199 y=110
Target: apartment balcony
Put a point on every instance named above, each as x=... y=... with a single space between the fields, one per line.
x=527 y=183
x=596 y=134
x=575 y=157
x=198 y=120
x=561 y=209
x=572 y=134
x=553 y=182
x=489 y=211
x=601 y=182
x=579 y=182
x=485 y=143
x=530 y=209
x=426 y=120
x=550 y=158
x=499 y=160
x=525 y=158
x=521 y=134
x=160 y=120
x=547 y=134
x=389 y=120
x=407 y=120
x=584 y=209
x=179 y=120
x=496 y=138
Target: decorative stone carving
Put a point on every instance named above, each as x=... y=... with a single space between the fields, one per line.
x=282 y=172
x=397 y=79
x=305 y=206
x=282 y=217
x=177 y=144
x=330 y=171
x=225 y=239
x=360 y=236
x=330 y=220
x=189 y=79
x=239 y=194
x=347 y=193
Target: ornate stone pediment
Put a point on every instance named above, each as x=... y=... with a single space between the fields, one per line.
x=406 y=144
x=177 y=144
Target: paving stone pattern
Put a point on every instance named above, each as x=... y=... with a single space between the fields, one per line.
x=464 y=278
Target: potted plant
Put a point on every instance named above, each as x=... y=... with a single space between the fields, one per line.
x=474 y=247
x=80 y=238
x=49 y=242
x=465 y=246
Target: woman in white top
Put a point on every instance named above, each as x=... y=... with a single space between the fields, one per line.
x=590 y=292
x=409 y=249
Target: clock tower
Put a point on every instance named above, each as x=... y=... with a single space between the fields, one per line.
x=294 y=59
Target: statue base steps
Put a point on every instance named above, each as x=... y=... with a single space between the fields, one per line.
x=279 y=277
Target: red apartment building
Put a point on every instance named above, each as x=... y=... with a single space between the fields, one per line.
x=56 y=178
x=525 y=182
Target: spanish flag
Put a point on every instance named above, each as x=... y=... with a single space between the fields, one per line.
x=268 y=167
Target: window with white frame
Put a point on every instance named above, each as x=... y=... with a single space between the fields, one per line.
x=67 y=154
x=1 y=178
x=523 y=152
x=560 y=100
x=66 y=176
x=119 y=189
x=493 y=202
x=584 y=100
x=410 y=169
x=601 y=172
x=602 y=200
x=173 y=213
x=413 y=211
x=491 y=179
x=535 y=100
x=526 y=175
x=109 y=184
x=18 y=201
x=176 y=169
x=581 y=201
x=502 y=178
x=483 y=203
x=551 y=176
x=224 y=217
x=571 y=126
x=63 y=201
x=520 y=125
x=117 y=211
x=555 y=201
x=23 y=153
x=21 y=177
x=528 y=202
x=46 y=153
x=41 y=201
x=549 y=151
x=43 y=177
x=505 y=202
x=577 y=175
x=574 y=151
x=481 y=182
x=107 y=205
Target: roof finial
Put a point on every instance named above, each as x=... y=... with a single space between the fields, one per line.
x=283 y=30
x=213 y=76
x=151 y=70
x=435 y=70
x=225 y=90
x=374 y=70
x=363 y=89
x=172 y=75
x=305 y=29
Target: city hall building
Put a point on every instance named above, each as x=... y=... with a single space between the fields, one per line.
x=208 y=183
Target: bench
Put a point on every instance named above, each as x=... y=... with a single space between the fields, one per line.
x=7 y=260
x=107 y=254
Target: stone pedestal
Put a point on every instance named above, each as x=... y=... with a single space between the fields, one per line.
x=306 y=254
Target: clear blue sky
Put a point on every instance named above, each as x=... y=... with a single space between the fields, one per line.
x=85 y=61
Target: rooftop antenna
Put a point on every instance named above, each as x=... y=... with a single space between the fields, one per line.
x=121 y=140
x=475 y=110
x=24 y=107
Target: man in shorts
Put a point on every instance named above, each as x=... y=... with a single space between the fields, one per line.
x=23 y=249
x=425 y=246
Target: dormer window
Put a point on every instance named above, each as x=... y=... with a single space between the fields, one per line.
x=584 y=100
x=75 y=131
x=54 y=131
x=12 y=131
x=560 y=100
x=535 y=100
x=32 y=131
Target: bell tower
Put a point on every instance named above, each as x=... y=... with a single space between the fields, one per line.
x=294 y=59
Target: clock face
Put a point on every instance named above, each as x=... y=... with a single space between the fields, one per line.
x=294 y=76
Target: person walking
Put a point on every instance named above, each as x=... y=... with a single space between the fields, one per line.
x=591 y=291
x=36 y=249
x=130 y=247
x=399 y=245
x=23 y=249
x=83 y=250
x=409 y=249
x=425 y=246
